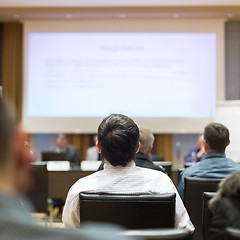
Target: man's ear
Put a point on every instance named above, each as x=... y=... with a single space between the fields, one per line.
x=138 y=147
x=150 y=149
x=228 y=142
x=206 y=146
x=23 y=155
x=98 y=146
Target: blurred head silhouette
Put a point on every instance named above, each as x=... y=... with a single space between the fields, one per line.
x=15 y=156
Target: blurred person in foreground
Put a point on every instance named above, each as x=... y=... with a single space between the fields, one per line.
x=225 y=206
x=118 y=143
x=214 y=164
x=16 y=174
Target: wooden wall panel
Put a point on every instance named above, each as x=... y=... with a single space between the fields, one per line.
x=81 y=142
x=163 y=145
x=12 y=66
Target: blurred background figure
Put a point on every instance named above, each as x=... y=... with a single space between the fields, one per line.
x=92 y=152
x=143 y=157
x=196 y=152
x=225 y=207
x=70 y=151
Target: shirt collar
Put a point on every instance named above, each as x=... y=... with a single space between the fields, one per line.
x=213 y=155
x=129 y=165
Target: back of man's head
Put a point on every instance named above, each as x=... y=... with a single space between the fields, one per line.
x=217 y=137
x=7 y=131
x=146 y=140
x=118 y=138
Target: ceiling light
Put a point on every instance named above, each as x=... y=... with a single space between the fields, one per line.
x=16 y=16
x=176 y=15
x=122 y=15
x=68 y=16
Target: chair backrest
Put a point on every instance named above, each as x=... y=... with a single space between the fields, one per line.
x=193 y=192
x=157 y=158
x=207 y=214
x=159 y=234
x=39 y=194
x=233 y=234
x=167 y=166
x=129 y=211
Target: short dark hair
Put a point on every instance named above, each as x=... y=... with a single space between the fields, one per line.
x=7 y=130
x=118 y=137
x=217 y=136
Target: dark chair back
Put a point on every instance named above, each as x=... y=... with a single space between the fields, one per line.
x=207 y=214
x=233 y=234
x=129 y=211
x=157 y=158
x=159 y=234
x=167 y=166
x=193 y=192
x=39 y=194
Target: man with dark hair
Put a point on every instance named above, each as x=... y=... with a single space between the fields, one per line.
x=214 y=163
x=118 y=142
x=15 y=179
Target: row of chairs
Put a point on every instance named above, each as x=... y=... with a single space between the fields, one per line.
x=177 y=234
x=194 y=189
x=142 y=213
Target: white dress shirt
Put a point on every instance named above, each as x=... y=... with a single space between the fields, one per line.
x=123 y=180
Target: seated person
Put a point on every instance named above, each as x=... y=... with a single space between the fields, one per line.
x=196 y=152
x=16 y=177
x=225 y=207
x=214 y=163
x=118 y=142
x=92 y=152
x=71 y=151
x=144 y=155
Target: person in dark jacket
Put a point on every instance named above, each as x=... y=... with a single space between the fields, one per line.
x=144 y=155
x=225 y=207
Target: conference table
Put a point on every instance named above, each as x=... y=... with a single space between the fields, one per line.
x=60 y=181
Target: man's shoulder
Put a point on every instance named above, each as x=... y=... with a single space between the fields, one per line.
x=71 y=147
x=84 y=184
x=152 y=174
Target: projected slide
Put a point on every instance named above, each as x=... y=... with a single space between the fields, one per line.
x=157 y=75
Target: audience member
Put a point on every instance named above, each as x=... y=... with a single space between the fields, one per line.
x=143 y=157
x=15 y=179
x=225 y=207
x=92 y=152
x=196 y=152
x=71 y=151
x=214 y=163
x=118 y=142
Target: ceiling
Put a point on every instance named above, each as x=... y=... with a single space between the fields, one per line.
x=16 y=10
x=116 y=3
